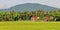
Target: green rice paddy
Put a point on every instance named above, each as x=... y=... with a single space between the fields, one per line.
x=28 y=25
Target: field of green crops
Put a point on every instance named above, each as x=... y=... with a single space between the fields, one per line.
x=28 y=25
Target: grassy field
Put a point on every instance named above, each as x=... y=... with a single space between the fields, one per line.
x=24 y=25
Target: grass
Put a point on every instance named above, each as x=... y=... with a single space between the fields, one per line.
x=24 y=25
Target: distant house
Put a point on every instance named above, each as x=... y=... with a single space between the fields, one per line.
x=34 y=18
x=51 y=18
x=48 y=18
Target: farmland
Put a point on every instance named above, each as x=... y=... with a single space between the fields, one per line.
x=29 y=25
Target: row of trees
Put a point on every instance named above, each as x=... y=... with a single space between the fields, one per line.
x=14 y=16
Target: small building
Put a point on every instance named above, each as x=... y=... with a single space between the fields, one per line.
x=34 y=18
x=48 y=18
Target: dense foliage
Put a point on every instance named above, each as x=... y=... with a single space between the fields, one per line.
x=15 y=16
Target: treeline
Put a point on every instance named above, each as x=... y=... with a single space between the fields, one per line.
x=18 y=16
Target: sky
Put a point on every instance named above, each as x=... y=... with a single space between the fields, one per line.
x=10 y=3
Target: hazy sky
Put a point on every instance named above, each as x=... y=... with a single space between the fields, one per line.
x=9 y=3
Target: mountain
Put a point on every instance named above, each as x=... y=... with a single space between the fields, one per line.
x=30 y=7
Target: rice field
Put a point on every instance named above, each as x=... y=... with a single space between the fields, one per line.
x=29 y=25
